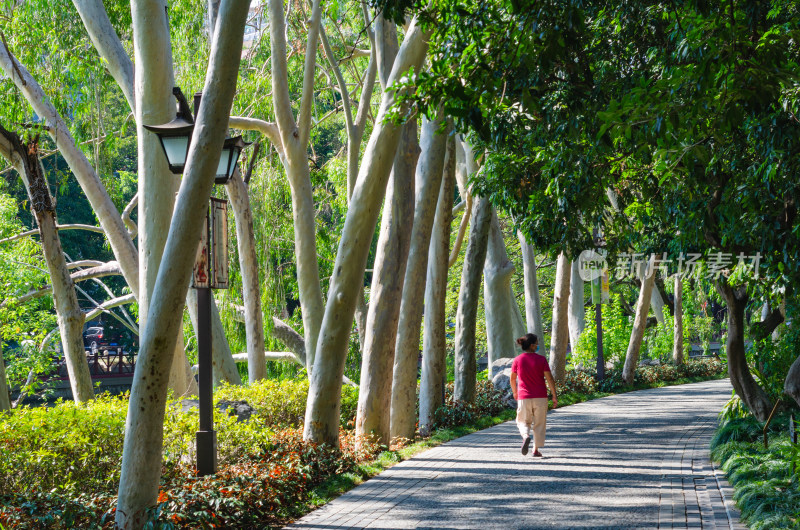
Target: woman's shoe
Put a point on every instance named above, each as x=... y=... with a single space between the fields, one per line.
x=525 y=445
x=537 y=453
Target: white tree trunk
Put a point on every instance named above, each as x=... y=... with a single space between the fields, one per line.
x=70 y=318
x=142 y=452
x=181 y=378
x=375 y=394
x=102 y=205
x=324 y=397
x=154 y=104
x=294 y=144
x=468 y=298
x=105 y=40
x=404 y=375
x=434 y=339
x=154 y=62
x=577 y=311
x=533 y=302
x=677 y=348
x=355 y=131
x=251 y=291
x=640 y=322
x=68 y=311
x=657 y=305
x=504 y=323
x=560 y=330
x=374 y=403
x=5 y=396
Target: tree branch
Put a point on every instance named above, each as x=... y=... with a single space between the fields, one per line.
x=110 y=304
x=107 y=44
x=88 y=228
x=280 y=73
x=85 y=174
x=108 y=269
x=292 y=339
x=337 y=72
x=369 y=76
x=307 y=98
x=133 y=229
x=268 y=129
x=462 y=229
x=762 y=330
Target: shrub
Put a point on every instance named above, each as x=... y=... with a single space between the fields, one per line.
x=584 y=381
x=56 y=511
x=77 y=448
x=488 y=402
x=616 y=334
x=578 y=381
x=770 y=361
x=68 y=447
x=733 y=409
x=264 y=488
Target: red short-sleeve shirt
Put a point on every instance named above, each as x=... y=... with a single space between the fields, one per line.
x=530 y=368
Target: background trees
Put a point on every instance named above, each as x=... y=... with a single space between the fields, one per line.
x=665 y=128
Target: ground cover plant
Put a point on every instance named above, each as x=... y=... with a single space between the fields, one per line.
x=59 y=466
x=765 y=481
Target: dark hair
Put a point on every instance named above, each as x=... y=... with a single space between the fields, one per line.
x=527 y=341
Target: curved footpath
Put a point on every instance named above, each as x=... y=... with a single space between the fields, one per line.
x=635 y=460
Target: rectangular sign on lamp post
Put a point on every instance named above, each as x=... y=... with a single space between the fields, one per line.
x=600 y=289
x=218 y=228
x=211 y=266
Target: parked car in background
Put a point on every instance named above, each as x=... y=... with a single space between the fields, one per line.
x=104 y=336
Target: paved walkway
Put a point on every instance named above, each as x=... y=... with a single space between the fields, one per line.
x=636 y=460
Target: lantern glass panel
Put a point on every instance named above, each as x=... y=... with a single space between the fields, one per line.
x=176 y=148
x=224 y=159
x=234 y=160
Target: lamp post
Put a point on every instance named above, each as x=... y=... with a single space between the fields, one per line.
x=600 y=295
x=211 y=266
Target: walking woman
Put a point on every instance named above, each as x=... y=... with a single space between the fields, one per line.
x=528 y=374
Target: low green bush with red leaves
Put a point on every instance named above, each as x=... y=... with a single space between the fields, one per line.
x=488 y=402
x=265 y=489
x=62 y=463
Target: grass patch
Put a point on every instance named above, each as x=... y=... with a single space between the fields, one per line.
x=765 y=483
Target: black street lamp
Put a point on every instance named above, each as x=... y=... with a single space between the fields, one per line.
x=231 y=150
x=211 y=265
x=176 y=138
x=176 y=135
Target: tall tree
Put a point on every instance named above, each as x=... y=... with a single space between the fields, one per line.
x=5 y=396
x=648 y=275
x=428 y=182
x=142 y=451
x=575 y=307
x=251 y=292
x=560 y=332
x=434 y=341
x=468 y=298
x=324 y=401
x=533 y=303
x=504 y=321
x=25 y=159
x=677 y=333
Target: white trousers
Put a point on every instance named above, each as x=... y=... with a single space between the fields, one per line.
x=532 y=411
